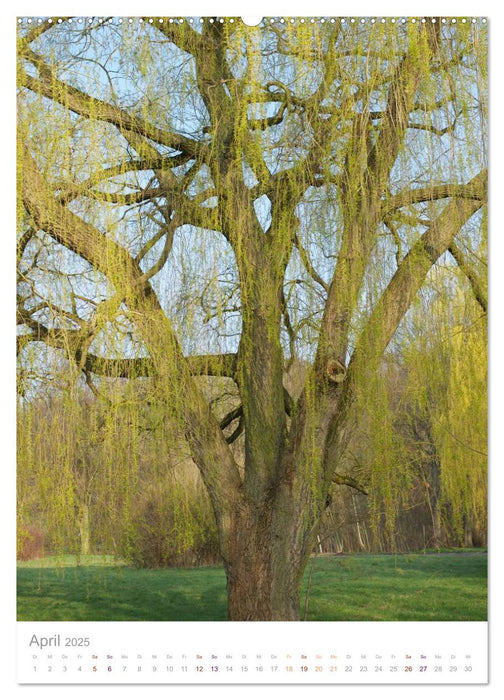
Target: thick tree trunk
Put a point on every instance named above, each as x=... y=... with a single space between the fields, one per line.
x=257 y=590
x=267 y=552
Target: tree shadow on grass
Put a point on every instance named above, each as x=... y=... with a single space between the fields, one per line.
x=102 y=593
x=403 y=587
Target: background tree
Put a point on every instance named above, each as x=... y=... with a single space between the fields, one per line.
x=202 y=202
x=446 y=395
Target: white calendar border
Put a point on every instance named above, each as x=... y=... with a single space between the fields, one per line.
x=294 y=7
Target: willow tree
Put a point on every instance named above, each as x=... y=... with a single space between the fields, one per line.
x=200 y=198
x=446 y=394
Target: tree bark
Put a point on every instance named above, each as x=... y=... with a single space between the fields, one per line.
x=268 y=549
x=84 y=529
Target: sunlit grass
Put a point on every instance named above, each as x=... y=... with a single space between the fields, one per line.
x=356 y=587
x=403 y=587
x=71 y=560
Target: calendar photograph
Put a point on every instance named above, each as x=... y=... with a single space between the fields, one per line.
x=252 y=321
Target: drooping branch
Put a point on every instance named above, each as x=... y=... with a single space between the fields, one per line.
x=395 y=301
x=462 y=443
x=209 y=448
x=361 y=189
x=469 y=271
x=410 y=275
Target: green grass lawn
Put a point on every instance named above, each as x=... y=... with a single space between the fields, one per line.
x=444 y=586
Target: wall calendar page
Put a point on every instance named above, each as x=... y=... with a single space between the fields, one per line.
x=251 y=388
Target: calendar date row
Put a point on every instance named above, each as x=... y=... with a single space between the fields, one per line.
x=244 y=669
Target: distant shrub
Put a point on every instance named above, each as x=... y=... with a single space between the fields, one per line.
x=30 y=543
x=172 y=525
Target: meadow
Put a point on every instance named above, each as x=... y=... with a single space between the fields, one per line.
x=447 y=586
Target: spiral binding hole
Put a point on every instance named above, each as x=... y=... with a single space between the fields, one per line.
x=256 y=21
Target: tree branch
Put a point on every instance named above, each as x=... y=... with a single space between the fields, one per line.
x=145 y=195
x=231 y=416
x=470 y=190
x=79 y=102
x=305 y=259
x=346 y=480
x=393 y=304
x=361 y=188
x=397 y=297
x=37 y=31
x=432 y=129
x=474 y=280
x=267 y=122
x=181 y=35
x=198 y=365
x=73 y=190
x=209 y=449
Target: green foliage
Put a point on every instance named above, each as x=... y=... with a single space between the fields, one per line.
x=461 y=433
x=447 y=392
x=382 y=449
x=171 y=524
